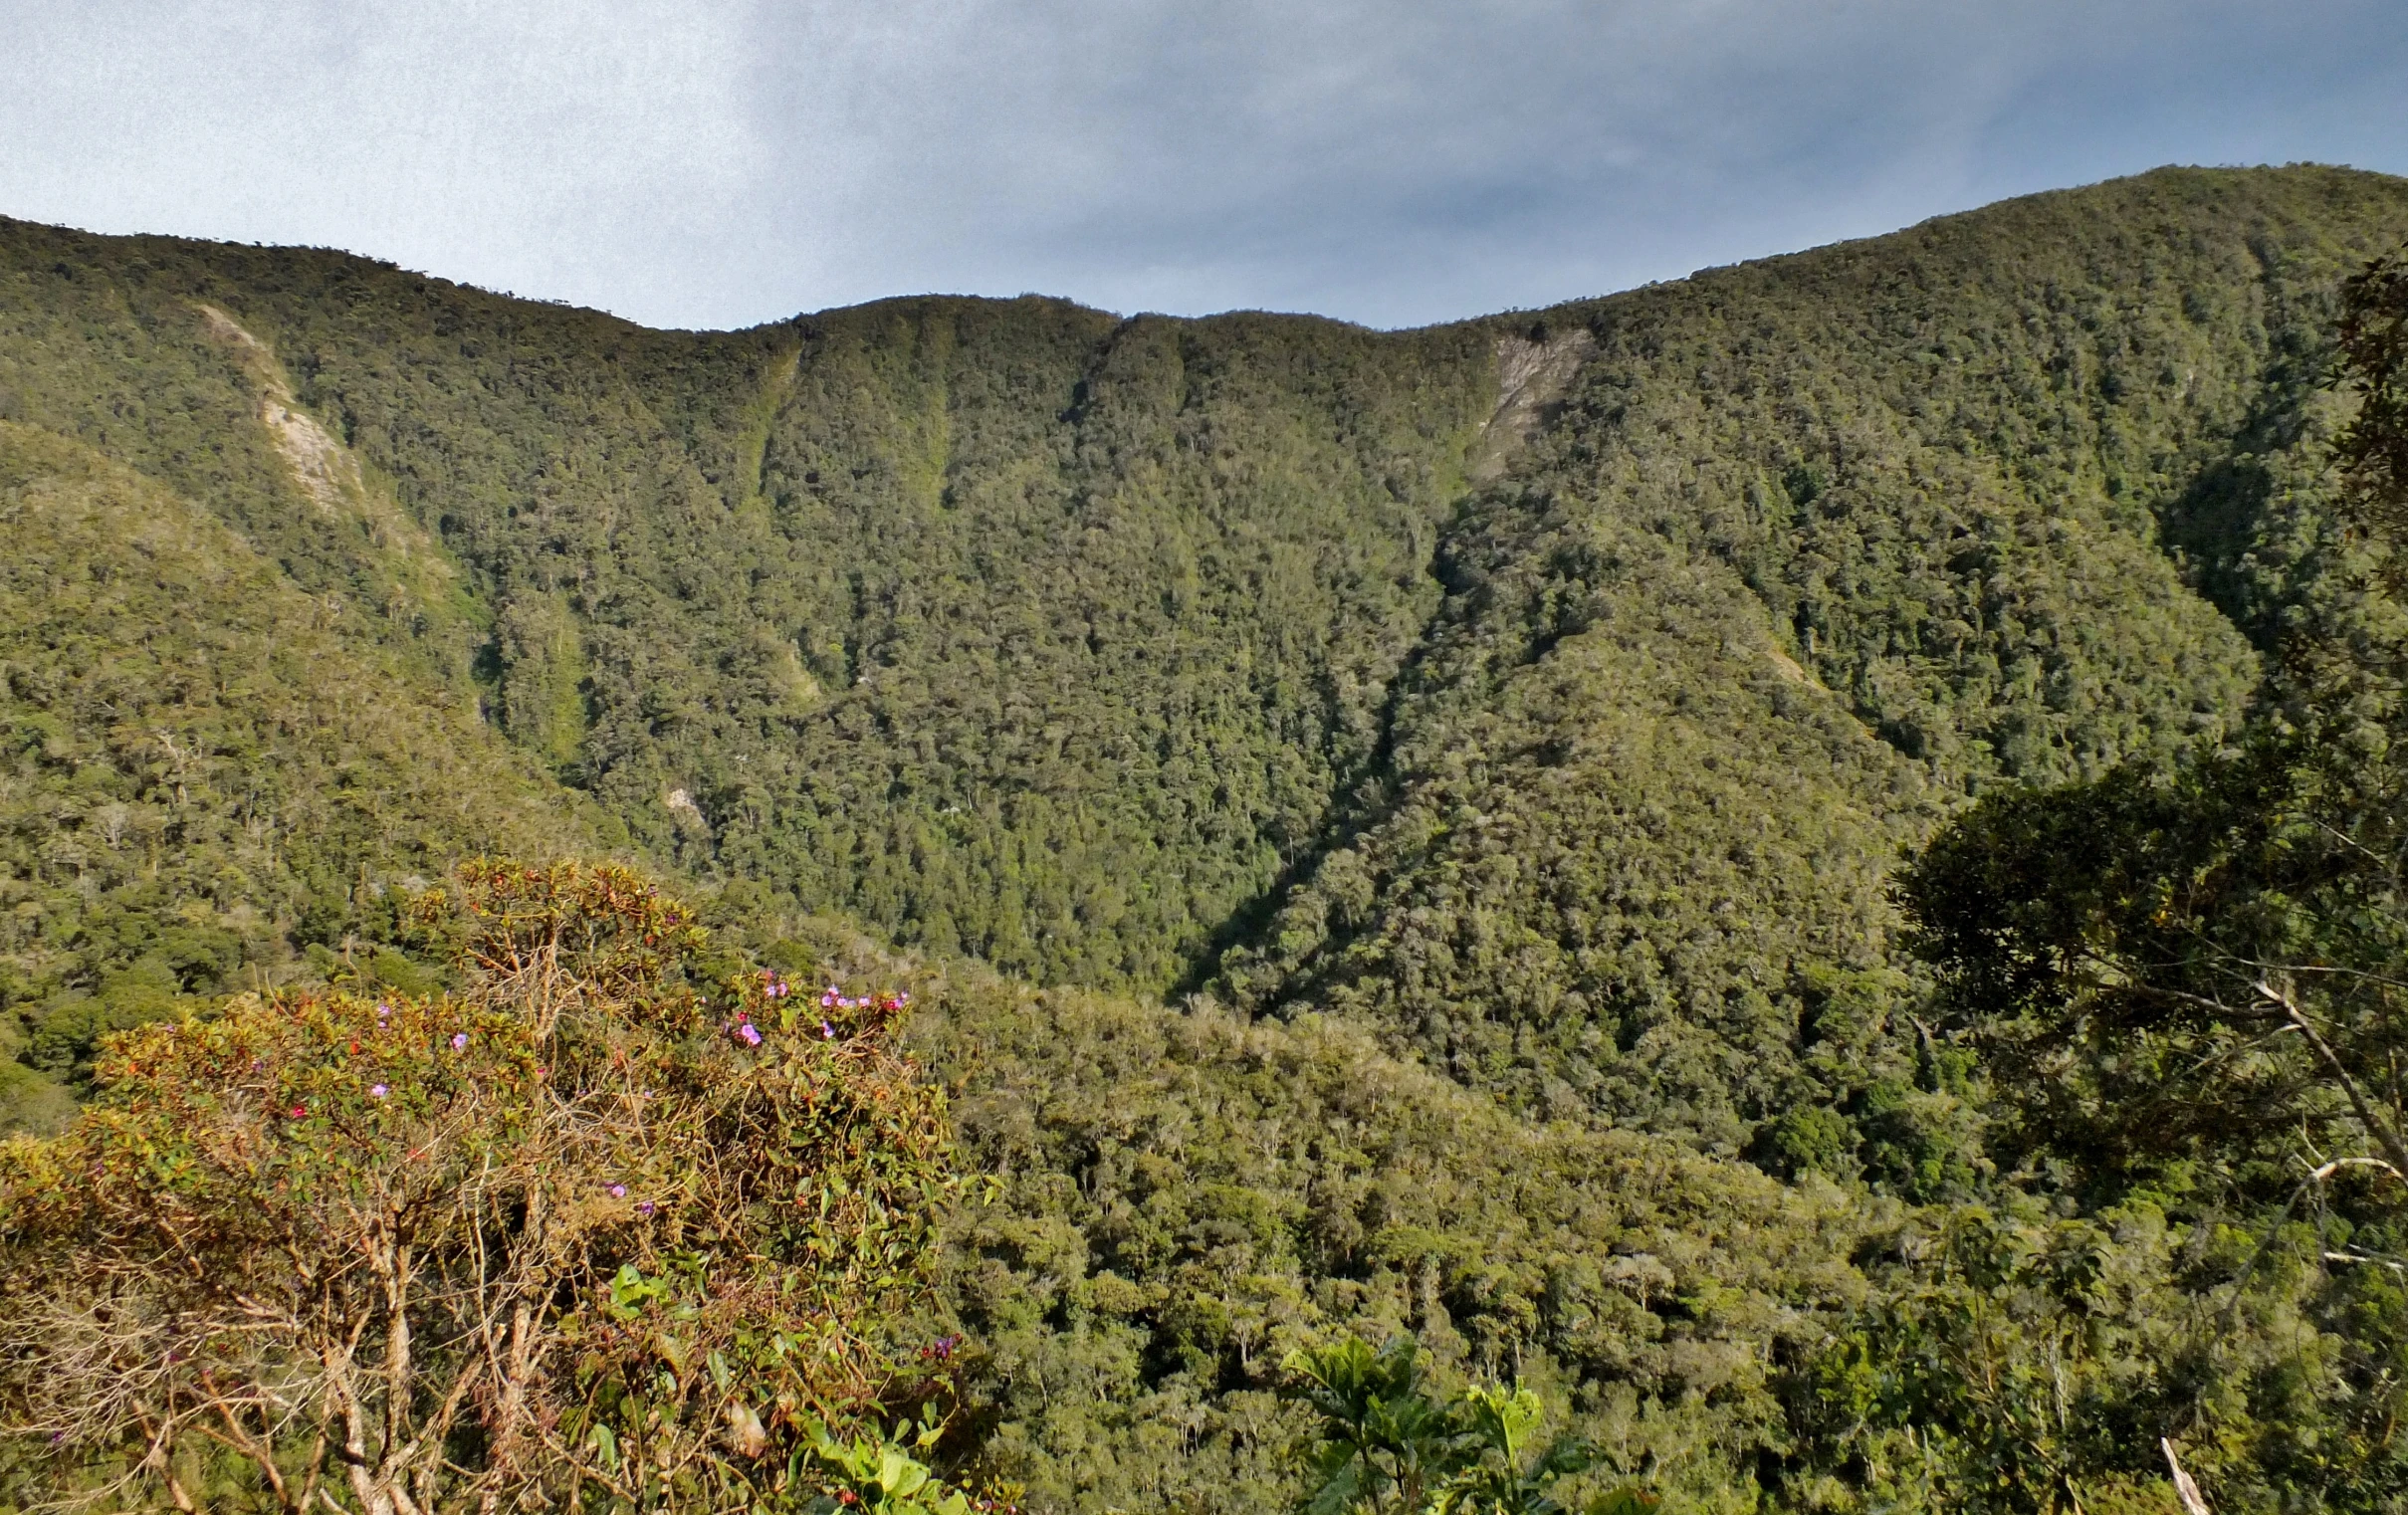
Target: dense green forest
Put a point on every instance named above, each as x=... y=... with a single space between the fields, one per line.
x=1392 y=833
x=206 y=775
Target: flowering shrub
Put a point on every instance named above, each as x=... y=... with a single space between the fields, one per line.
x=599 y=1228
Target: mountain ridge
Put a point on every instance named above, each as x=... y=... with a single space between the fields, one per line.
x=892 y=437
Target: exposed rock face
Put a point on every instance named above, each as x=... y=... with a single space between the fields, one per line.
x=1530 y=377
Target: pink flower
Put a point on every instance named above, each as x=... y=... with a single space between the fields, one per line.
x=459 y=1041
x=299 y=1111
x=619 y=1190
x=750 y=1034
x=377 y=1091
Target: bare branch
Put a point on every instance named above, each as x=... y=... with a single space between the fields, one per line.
x=2383 y=1134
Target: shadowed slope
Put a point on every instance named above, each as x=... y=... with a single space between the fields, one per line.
x=1812 y=548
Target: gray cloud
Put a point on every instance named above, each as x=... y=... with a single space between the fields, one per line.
x=1386 y=160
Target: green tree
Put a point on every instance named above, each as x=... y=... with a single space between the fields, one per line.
x=1386 y=1443
x=2187 y=980
x=1506 y=1477
x=2204 y=961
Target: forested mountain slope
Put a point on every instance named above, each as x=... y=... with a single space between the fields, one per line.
x=1167 y=654
x=204 y=776
x=1811 y=548
x=1423 y=802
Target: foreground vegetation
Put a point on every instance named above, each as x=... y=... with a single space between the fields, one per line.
x=1362 y=876
x=608 y=1224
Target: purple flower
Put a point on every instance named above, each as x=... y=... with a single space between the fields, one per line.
x=750 y=1034
x=828 y=1030
x=459 y=1041
x=383 y=1011
x=377 y=1091
x=644 y=1208
x=619 y=1190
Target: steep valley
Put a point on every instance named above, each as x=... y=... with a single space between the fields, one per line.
x=1396 y=830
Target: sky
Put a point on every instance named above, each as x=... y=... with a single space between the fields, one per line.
x=1395 y=163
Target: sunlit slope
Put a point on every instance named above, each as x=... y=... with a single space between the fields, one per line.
x=205 y=770
x=1812 y=548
